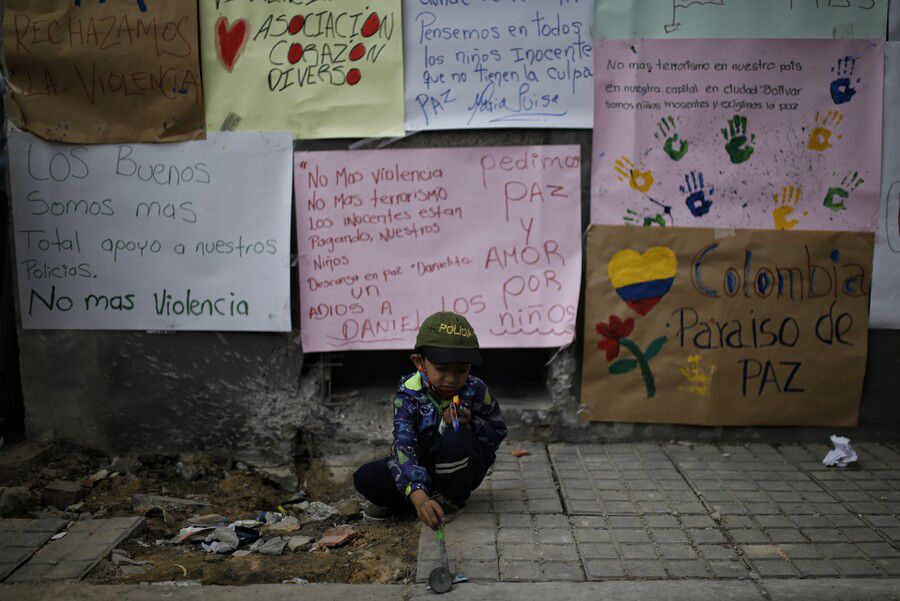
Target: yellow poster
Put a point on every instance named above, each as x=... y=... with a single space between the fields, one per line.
x=320 y=68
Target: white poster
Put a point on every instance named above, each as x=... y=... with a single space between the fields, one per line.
x=502 y=63
x=186 y=236
x=886 y=272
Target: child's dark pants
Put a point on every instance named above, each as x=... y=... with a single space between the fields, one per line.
x=456 y=462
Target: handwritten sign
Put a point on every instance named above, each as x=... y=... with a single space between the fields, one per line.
x=754 y=134
x=388 y=237
x=322 y=69
x=512 y=63
x=90 y=71
x=886 y=284
x=689 y=326
x=856 y=19
x=187 y=236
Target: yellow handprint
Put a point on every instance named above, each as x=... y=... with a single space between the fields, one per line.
x=785 y=205
x=637 y=179
x=820 y=136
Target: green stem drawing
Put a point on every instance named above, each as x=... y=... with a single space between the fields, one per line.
x=649 y=382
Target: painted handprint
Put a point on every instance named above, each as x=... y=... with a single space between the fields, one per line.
x=836 y=195
x=784 y=207
x=697 y=194
x=675 y=146
x=737 y=144
x=634 y=218
x=637 y=179
x=825 y=126
x=842 y=87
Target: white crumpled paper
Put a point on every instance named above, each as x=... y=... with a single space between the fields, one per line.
x=842 y=455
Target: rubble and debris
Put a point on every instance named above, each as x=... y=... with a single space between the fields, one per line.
x=842 y=454
x=335 y=537
x=296 y=543
x=61 y=494
x=283 y=526
x=78 y=507
x=193 y=466
x=125 y=465
x=284 y=478
x=140 y=501
x=295 y=581
x=318 y=511
x=349 y=508
x=273 y=546
x=520 y=453
x=221 y=540
x=14 y=500
x=191 y=533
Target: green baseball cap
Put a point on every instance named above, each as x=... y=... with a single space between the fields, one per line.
x=447 y=337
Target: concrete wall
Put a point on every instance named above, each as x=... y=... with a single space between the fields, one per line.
x=258 y=398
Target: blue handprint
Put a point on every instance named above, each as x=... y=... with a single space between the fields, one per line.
x=842 y=88
x=695 y=188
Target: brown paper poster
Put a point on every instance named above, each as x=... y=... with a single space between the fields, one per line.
x=725 y=327
x=104 y=71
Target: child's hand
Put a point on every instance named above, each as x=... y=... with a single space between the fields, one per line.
x=428 y=510
x=462 y=414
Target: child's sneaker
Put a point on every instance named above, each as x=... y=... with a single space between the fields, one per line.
x=450 y=508
x=377 y=512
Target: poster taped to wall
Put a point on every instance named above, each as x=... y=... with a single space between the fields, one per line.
x=103 y=72
x=756 y=134
x=886 y=281
x=388 y=237
x=321 y=70
x=527 y=64
x=854 y=19
x=185 y=236
x=727 y=328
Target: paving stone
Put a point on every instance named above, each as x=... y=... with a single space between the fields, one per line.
x=728 y=569
x=640 y=568
x=629 y=535
x=800 y=551
x=706 y=535
x=815 y=567
x=881 y=549
x=555 y=535
x=72 y=556
x=601 y=569
x=519 y=552
x=476 y=570
x=786 y=535
x=768 y=568
x=890 y=566
x=515 y=520
x=637 y=551
x=857 y=567
x=748 y=535
x=560 y=553
x=669 y=535
x=592 y=535
x=562 y=571
x=521 y=571
x=839 y=551
x=717 y=551
x=677 y=551
x=687 y=568
x=597 y=551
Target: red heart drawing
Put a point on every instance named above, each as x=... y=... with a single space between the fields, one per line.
x=230 y=42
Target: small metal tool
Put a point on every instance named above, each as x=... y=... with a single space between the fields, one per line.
x=441 y=580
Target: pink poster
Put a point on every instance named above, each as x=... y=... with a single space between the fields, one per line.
x=764 y=134
x=387 y=237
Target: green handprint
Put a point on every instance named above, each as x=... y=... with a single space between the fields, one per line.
x=849 y=184
x=667 y=131
x=737 y=144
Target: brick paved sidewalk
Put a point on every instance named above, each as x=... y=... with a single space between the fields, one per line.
x=677 y=511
